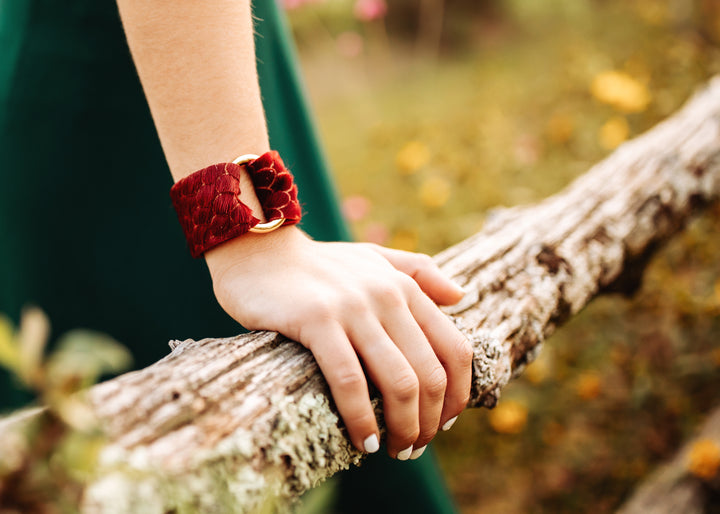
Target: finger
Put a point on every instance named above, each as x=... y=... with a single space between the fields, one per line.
x=452 y=350
x=390 y=371
x=342 y=370
x=426 y=273
x=404 y=331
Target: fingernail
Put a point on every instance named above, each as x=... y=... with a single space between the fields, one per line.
x=416 y=453
x=405 y=454
x=459 y=288
x=449 y=423
x=371 y=444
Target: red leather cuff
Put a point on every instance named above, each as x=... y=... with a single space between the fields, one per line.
x=209 y=208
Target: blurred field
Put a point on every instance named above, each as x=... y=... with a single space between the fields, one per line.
x=511 y=102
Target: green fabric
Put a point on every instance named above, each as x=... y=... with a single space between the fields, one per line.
x=87 y=230
x=291 y=130
x=13 y=19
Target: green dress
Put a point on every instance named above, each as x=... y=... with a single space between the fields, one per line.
x=87 y=230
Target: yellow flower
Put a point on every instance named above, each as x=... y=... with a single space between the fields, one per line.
x=9 y=351
x=411 y=157
x=704 y=459
x=588 y=385
x=434 y=192
x=652 y=12
x=716 y=356
x=613 y=132
x=560 y=128
x=540 y=369
x=509 y=417
x=620 y=90
x=404 y=240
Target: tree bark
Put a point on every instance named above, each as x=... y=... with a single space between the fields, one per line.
x=674 y=488
x=229 y=424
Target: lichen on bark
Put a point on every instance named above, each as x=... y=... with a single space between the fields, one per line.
x=231 y=424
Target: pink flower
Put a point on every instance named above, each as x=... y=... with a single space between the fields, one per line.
x=294 y=4
x=350 y=44
x=376 y=233
x=355 y=208
x=527 y=149
x=368 y=10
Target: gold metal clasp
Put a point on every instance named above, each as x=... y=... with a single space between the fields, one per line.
x=264 y=228
x=260 y=228
x=245 y=158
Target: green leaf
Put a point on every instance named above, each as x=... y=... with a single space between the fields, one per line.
x=9 y=351
x=32 y=337
x=86 y=355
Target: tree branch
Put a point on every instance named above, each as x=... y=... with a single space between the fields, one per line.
x=233 y=422
x=686 y=483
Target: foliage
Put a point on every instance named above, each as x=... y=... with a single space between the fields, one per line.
x=522 y=101
x=45 y=458
x=505 y=104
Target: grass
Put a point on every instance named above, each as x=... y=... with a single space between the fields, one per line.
x=510 y=118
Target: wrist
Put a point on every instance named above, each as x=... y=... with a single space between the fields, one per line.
x=250 y=251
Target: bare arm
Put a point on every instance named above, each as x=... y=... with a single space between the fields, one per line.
x=196 y=62
x=348 y=303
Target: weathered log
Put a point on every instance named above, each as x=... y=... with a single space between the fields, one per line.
x=226 y=424
x=675 y=487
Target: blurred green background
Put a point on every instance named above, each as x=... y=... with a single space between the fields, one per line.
x=433 y=112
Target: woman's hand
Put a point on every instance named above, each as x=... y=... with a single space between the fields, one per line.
x=348 y=303
x=353 y=303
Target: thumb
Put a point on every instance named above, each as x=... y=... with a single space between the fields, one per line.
x=425 y=272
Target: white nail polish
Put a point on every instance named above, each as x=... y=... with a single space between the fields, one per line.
x=404 y=454
x=416 y=453
x=449 y=423
x=371 y=444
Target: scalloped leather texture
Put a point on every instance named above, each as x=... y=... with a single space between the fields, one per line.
x=210 y=211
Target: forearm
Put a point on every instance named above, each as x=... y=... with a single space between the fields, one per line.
x=196 y=62
x=352 y=305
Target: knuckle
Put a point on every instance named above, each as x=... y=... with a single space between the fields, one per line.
x=436 y=382
x=405 y=387
x=425 y=436
x=381 y=287
x=318 y=312
x=348 y=380
x=361 y=420
x=424 y=261
x=306 y=322
x=355 y=303
x=407 y=283
x=388 y=294
x=413 y=436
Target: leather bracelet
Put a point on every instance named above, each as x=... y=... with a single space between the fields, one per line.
x=208 y=205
